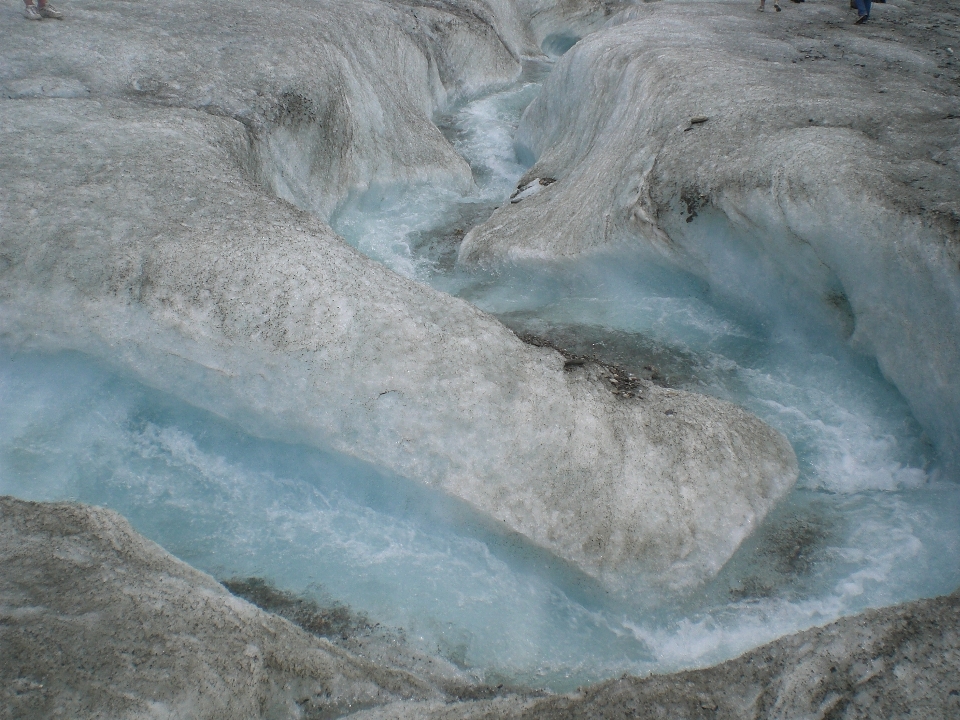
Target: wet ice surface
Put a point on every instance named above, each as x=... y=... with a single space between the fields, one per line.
x=872 y=521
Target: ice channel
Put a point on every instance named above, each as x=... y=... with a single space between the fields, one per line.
x=872 y=521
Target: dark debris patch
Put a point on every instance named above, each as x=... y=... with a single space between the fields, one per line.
x=626 y=356
x=620 y=381
x=785 y=552
x=694 y=200
x=355 y=633
x=328 y=621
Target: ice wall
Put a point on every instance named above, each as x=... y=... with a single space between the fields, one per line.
x=817 y=179
x=333 y=94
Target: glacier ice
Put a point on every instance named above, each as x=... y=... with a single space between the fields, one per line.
x=811 y=180
x=168 y=260
x=168 y=255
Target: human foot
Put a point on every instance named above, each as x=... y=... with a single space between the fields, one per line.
x=49 y=11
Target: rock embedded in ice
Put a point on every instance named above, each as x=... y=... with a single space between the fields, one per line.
x=530 y=189
x=807 y=186
x=136 y=228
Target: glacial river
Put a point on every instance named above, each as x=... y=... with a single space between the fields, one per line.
x=872 y=521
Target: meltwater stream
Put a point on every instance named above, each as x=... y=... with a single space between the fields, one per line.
x=873 y=520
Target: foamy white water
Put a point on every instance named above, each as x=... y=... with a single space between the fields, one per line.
x=873 y=521
x=415 y=230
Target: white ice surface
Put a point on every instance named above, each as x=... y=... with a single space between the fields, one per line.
x=872 y=522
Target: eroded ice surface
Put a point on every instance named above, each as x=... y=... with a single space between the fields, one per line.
x=870 y=523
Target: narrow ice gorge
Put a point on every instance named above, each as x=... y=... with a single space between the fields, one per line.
x=186 y=339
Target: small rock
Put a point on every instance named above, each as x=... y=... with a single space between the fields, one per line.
x=531 y=188
x=698 y=119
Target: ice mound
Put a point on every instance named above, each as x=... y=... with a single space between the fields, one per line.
x=335 y=96
x=136 y=228
x=780 y=167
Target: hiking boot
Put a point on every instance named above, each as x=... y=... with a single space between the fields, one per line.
x=30 y=12
x=49 y=11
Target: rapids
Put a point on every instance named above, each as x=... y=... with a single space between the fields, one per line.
x=873 y=519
